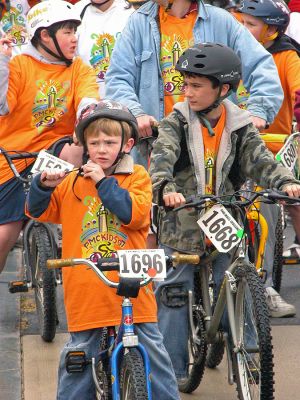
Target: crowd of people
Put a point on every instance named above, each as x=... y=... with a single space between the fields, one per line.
x=213 y=77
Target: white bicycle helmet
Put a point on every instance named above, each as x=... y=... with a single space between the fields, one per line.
x=49 y=12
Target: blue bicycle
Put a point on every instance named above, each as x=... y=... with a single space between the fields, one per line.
x=123 y=369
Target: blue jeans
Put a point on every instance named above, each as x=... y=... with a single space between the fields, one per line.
x=81 y=386
x=173 y=321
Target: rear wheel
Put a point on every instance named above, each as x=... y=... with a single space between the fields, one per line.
x=253 y=358
x=197 y=345
x=44 y=282
x=132 y=377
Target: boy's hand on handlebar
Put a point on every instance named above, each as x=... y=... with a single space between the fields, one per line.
x=292 y=190
x=93 y=171
x=52 y=177
x=258 y=122
x=173 y=199
x=145 y=122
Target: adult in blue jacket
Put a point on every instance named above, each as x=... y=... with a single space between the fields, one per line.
x=135 y=74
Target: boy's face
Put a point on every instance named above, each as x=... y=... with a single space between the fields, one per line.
x=67 y=40
x=104 y=149
x=254 y=25
x=199 y=92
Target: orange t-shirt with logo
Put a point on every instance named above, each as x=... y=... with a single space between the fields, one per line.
x=42 y=101
x=176 y=36
x=90 y=230
x=288 y=66
x=211 y=147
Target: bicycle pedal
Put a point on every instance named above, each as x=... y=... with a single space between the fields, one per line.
x=17 y=286
x=76 y=361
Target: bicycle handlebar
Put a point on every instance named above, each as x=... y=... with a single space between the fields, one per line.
x=105 y=264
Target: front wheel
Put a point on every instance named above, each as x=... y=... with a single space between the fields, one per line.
x=278 y=250
x=132 y=377
x=253 y=357
x=44 y=282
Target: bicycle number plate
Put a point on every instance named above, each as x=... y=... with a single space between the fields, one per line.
x=47 y=160
x=141 y=264
x=288 y=154
x=221 y=228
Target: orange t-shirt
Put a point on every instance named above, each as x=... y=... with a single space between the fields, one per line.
x=288 y=65
x=176 y=36
x=42 y=100
x=89 y=229
x=211 y=146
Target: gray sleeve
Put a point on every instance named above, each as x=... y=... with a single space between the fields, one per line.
x=4 y=73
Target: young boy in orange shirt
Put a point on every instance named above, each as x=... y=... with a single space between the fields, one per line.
x=41 y=90
x=267 y=21
x=102 y=210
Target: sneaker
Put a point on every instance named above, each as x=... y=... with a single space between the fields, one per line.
x=292 y=254
x=278 y=308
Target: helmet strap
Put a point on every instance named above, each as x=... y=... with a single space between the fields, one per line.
x=263 y=36
x=61 y=55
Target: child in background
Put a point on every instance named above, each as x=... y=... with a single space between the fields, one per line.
x=41 y=90
x=267 y=21
x=102 y=22
x=111 y=198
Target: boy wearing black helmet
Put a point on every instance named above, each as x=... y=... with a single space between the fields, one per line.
x=206 y=145
x=267 y=20
x=103 y=209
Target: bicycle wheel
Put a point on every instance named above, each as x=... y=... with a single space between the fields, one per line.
x=132 y=377
x=253 y=358
x=278 y=250
x=103 y=371
x=43 y=282
x=197 y=346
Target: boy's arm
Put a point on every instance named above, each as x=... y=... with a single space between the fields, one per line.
x=42 y=202
x=165 y=153
x=131 y=206
x=4 y=74
x=258 y=163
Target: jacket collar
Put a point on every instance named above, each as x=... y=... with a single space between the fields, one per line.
x=125 y=166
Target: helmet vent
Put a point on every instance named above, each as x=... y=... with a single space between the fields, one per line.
x=199 y=65
x=200 y=56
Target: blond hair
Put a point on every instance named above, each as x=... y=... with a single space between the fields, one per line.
x=110 y=127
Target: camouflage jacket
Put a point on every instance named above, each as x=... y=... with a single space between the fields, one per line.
x=178 y=158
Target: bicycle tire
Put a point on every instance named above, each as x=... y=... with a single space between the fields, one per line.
x=132 y=377
x=278 y=251
x=197 y=351
x=253 y=370
x=43 y=282
x=103 y=371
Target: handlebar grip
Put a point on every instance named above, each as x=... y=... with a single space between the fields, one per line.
x=179 y=258
x=54 y=264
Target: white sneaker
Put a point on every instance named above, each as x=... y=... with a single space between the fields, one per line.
x=278 y=308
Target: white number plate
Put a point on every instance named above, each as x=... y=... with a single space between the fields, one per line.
x=221 y=228
x=141 y=264
x=288 y=154
x=47 y=160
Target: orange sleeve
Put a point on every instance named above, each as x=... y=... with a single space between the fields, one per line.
x=292 y=72
x=15 y=83
x=140 y=192
x=86 y=86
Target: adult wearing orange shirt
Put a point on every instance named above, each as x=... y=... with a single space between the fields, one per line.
x=40 y=92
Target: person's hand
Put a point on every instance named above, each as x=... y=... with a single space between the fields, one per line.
x=292 y=189
x=144 y=124
x=52 y=177
x=173 y=199
x=258 y=122
x=5 y=46
x=75 y=140
x=93 y=171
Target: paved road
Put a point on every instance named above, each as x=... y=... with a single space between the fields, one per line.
x=28 y=366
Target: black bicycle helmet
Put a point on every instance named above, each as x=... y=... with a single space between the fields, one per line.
x=271 y=12
x=105 y=109
x=214 y=60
